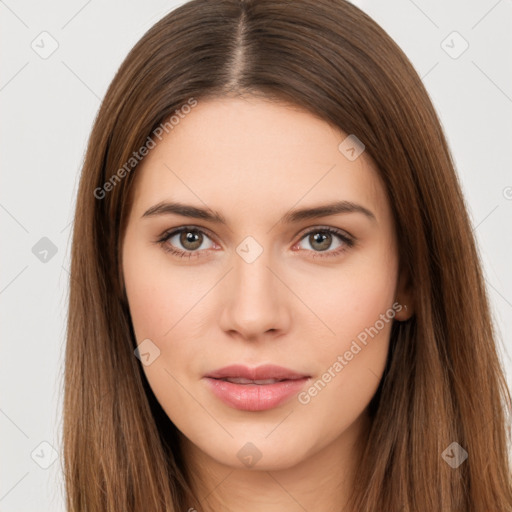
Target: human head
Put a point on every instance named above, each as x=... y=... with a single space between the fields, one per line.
x=322 y=59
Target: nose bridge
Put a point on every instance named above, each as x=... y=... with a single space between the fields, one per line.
x=255 y=303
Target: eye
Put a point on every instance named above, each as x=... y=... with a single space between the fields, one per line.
x=329 y=241
x=185 y=241
x=188 y=242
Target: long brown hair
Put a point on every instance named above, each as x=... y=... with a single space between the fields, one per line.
x=443 y=382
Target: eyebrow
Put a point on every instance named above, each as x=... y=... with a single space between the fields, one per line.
x=292 y=216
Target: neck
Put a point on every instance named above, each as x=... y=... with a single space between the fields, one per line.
x=322 y=481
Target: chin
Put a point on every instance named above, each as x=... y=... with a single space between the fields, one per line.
x=258 y=453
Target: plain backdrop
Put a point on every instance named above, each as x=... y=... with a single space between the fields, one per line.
x=461 y=49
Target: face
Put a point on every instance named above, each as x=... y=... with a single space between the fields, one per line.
x=264 y=316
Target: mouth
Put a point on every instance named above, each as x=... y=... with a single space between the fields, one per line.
x=258 y=373
x=255 y=389
x=261 y=382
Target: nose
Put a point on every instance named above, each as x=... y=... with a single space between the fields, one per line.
x=256 y=303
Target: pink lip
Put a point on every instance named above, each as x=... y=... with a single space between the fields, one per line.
x=267 y=371
x=255 y=397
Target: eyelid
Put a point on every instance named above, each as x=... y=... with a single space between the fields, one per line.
x=168 y=233
x=319 y=227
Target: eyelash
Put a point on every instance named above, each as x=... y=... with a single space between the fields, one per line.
x=348 y=242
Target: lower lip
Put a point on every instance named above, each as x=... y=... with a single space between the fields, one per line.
x=255 y=397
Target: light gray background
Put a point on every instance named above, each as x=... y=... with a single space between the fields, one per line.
x=47 y=109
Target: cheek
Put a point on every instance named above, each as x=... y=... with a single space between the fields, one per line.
x=352 y=299
x=168 y=306
x=358 y=305
x=351 y=362
x=159 y=298
x=162 y=310
x=154 y=304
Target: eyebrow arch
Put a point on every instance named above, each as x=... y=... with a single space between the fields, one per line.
x=293 y=216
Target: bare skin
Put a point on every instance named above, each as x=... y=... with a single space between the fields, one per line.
x=300 y=304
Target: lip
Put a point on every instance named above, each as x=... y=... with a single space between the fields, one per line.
x=255 y=397
x=266 y=371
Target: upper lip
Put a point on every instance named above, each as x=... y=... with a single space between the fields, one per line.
x=267 y=371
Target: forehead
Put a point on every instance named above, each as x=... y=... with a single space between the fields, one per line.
x=250 y=155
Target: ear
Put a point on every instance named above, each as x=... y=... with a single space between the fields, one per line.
x=404 y=297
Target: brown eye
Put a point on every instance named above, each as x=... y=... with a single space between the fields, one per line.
x=320 y=240
x=191 y=240
x=326 y=242
x=186 y=241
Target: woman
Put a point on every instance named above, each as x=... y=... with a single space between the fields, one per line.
x=276 y=301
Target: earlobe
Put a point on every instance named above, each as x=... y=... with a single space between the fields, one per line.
x=404 y=299
x=404 y=310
